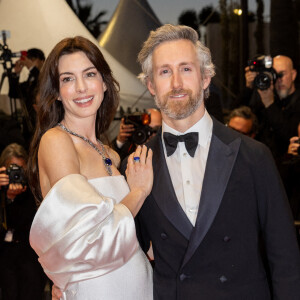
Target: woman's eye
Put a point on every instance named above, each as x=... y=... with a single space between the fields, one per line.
x=67 y=79
x=91 y=74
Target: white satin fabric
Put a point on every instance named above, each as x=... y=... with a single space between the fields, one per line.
x=86 y=241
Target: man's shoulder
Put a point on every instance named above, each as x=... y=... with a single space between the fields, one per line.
x=228 y=136
x=154 y=141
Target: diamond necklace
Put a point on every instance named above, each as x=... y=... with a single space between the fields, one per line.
x=106 y=160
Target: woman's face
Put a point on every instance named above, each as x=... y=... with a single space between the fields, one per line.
x=81 y=87
x=18 y=161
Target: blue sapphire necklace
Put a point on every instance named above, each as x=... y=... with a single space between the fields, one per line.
x=106 y=160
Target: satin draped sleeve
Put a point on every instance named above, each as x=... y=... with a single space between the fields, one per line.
x=78 y=233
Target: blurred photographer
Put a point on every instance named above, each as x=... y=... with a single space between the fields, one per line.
x=33 y=60
x=135 y=130
x=273 y=97
x=290 y=172
x=21 y=276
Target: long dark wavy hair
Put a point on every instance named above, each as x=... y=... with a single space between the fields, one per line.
x=51 y=111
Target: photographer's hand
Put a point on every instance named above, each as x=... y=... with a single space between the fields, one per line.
x=4 y=179
x=18 y=66
x=294 y=145
x=250 y=76
x=125 y=132
x=15 y=189
x=267 y=96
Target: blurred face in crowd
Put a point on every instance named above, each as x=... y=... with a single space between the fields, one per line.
x=156 y=120
x=177 y=83
x=18 y=161
x=285 y=84
x=242 y=125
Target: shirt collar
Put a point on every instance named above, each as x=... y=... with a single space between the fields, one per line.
x=203 y=127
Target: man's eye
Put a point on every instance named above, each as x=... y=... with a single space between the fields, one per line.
x=164 y=72
x=186 y=69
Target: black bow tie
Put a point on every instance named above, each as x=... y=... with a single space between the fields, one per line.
x=190 y=140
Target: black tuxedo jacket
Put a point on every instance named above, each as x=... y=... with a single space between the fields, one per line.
x=242 y=203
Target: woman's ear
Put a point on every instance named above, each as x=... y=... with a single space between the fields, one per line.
x=104 y=87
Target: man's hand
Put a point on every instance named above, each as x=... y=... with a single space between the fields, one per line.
x=18 y=66
x=125 y=131
x=267 y=96
x=249 y=76
x=294 y=145
x=56 y=293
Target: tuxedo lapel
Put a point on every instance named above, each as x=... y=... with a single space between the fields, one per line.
x=220 y=161
x=163 y=192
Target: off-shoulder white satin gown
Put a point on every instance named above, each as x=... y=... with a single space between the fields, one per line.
x=86 y=241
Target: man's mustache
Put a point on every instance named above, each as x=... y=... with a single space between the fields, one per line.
x=176 y=92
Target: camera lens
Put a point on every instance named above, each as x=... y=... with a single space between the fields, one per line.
x=139 y=136
x=262 y=81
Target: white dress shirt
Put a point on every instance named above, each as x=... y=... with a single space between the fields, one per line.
x=187 y=172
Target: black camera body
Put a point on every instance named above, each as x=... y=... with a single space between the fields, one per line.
x=266 y=74
x=140 y=121
x=16 y=174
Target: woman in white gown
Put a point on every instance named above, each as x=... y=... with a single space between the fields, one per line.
x=84 y=232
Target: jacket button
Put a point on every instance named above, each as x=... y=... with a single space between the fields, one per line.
x=223 y=279
x=163 y=236
x=226 y=239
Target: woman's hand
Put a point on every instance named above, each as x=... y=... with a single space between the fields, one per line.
x=4 y=179
x=15 y=189
x=139 y=175
x=139 y=172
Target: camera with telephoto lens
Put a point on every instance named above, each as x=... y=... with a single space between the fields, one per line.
x=16 y=174
x=142 y=130
x=263 y=65
x=6 y=54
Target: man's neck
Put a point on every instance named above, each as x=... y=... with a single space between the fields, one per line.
x=184 y=124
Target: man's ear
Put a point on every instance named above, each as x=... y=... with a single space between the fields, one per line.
x=206 y=82
x=150 y=87
x=294 y=74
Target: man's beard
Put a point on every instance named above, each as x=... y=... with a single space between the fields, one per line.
x=283 y=93
x=180 y=109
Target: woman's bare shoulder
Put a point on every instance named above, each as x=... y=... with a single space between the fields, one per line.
x=57 y=155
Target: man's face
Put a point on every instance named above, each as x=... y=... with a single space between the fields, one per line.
x=177 y=83
x=285 y=84
x=242 y=125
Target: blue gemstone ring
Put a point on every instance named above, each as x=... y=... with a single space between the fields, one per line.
x=136 y=159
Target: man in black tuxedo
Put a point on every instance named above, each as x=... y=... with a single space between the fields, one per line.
x=217 y=199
